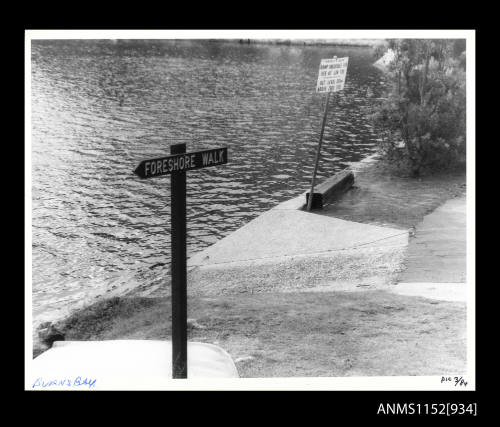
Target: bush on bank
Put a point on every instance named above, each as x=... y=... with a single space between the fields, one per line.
x=422 y=120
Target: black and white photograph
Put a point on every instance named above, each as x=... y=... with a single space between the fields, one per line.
x=250 y=209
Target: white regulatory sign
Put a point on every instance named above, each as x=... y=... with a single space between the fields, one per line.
x=332 y=72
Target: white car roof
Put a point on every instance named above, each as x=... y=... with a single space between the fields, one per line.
x=128 y=361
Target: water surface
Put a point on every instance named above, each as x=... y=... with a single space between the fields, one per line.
x=99 y=107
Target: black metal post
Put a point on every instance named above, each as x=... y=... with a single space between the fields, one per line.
x=178 y=269
x=318 y=152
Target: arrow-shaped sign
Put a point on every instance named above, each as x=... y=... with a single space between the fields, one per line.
x=176 y=164
x=181 y=162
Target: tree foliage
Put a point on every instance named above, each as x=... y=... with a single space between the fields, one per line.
x=422 y=120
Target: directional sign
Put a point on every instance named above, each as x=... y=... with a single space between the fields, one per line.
x=332 y=72
x=181 y=162
x=176 y=165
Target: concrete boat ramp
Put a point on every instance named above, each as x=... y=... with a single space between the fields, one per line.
x=287 y=249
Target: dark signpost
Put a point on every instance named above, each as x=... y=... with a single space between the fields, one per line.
x=331 y=78
x=176 y=165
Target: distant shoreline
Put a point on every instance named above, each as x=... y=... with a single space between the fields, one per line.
x=311 y=42
x=365 y=43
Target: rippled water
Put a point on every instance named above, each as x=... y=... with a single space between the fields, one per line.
x=100 y=107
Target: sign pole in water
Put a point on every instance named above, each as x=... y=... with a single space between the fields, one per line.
x=176 y=165
x=318 y=151
x=331 y=78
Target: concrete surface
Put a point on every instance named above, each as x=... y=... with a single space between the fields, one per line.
x=288 y=232
x=128 y=360
x=437 y=291
x=348 y=270
x=436 y=261
x=287 y=249
x=437 y=253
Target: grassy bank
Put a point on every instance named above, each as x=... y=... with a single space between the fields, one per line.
x=299 y=334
